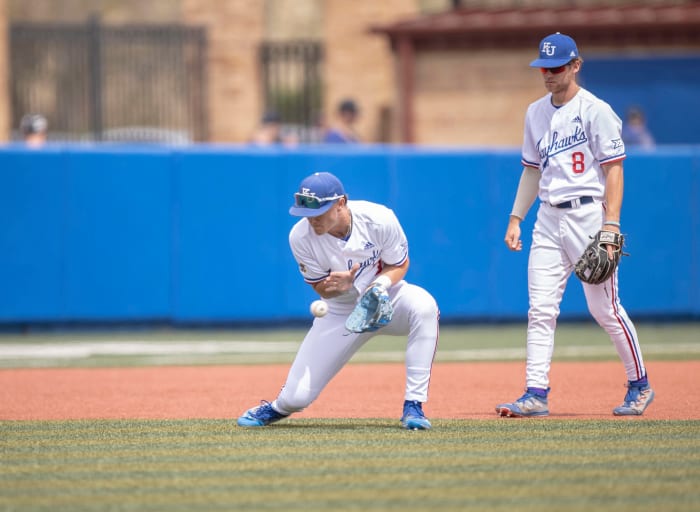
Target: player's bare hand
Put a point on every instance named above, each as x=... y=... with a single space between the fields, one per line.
x=338 y=282
x=512 y=238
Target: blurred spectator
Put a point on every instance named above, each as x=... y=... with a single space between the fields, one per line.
x=33 y=128
x=344 y=130
x=270 y=131
x=634 y=130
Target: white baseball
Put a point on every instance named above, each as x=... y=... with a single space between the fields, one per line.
x=319 y=308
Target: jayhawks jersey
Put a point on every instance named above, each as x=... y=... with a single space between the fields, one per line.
x=376 y=238
x=569 y=144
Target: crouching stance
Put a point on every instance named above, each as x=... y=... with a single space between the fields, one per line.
x=355 y=256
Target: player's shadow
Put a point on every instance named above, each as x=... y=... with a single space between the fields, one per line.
x=319 y=425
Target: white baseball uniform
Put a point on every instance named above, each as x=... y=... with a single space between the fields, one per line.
x=568 y=144
x=376 y=239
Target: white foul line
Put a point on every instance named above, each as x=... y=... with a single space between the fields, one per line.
x=83 y=350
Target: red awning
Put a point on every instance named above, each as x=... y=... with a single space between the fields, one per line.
x=631 y=24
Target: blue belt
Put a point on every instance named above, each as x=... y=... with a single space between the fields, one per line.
x=573 y=202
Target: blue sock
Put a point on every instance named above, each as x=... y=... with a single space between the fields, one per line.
x=540 y=392
x=643 y=382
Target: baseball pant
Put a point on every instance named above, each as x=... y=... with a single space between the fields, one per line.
x=559 y=238
x=328 y=346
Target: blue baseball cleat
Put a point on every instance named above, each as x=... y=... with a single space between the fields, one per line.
x=260 y=416
x=636 y=400
x=413 y=417
x=527 y=405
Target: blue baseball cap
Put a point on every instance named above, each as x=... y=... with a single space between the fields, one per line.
x=555 y=50
x=317 y=193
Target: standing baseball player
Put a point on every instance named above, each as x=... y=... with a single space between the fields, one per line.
x=572 y=156
x=355 y=256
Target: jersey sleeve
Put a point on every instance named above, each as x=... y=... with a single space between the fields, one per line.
x=310 y=269
x=605 y=128
x=530 y=156
x=395 y=244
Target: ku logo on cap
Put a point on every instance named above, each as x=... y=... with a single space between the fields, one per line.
x=307 y=192
x=548 y=48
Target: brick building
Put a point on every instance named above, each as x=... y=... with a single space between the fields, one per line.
x=356 y=62
x=423 y=71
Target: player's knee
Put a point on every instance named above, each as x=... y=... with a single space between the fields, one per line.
x=295 y=400
x=424 y=320
x=426 y=308
x=543 y=316
x=541 y=323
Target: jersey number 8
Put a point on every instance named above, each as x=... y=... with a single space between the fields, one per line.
x=577 y=163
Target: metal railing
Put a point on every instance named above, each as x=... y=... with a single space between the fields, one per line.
x=137 y=83
x=292 y=85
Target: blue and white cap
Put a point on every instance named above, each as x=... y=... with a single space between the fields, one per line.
x=555 y=50
x=317 y=193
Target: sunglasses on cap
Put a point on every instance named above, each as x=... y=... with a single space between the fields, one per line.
x=313 y=202
x=555 y=71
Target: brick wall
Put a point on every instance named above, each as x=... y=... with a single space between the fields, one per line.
x=111 y=11
x=235 y=29
x=360 y=64
x=4 y=85
x=467 y=97
x=474 y=97
x=357 y=63
x=293 y=19
x=461 y=98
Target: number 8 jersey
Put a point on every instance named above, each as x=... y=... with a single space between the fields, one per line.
x=559 y=142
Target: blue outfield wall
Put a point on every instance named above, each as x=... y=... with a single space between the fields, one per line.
x=199 y=234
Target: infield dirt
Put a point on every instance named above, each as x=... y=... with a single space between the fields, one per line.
x=457 y=391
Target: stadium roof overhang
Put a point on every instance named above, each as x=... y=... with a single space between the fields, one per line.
x=651 y=26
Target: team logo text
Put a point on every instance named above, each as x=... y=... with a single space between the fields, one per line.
x=548 y=48
x=559 y=144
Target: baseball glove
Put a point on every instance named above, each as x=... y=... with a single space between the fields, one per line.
x=594 y=266
x=373 y=310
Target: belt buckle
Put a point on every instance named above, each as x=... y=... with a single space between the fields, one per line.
x=576 y=203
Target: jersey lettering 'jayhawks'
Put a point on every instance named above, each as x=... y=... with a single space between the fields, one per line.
x=558 y=142
x=561 y=143
x=368 y=263
x=376 y=239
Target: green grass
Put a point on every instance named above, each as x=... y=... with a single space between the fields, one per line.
x=574 y=341
x=538 y=465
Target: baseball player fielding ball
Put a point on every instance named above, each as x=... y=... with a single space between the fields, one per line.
x=354 y=254
x=319 y=308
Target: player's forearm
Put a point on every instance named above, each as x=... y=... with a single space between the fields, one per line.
x=326 y=290
x=614 y=186
x=337 y=283
x=528 y=189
